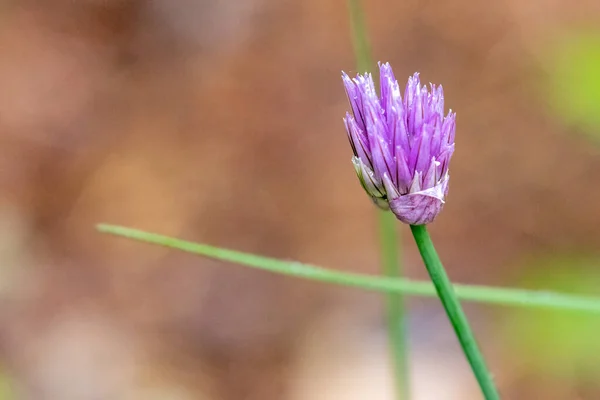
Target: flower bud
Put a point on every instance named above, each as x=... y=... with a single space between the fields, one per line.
x=402 y=146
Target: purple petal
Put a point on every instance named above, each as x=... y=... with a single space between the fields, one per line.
x=393 y=108
x=415 y=146
x=424 y=151
x=366 y=86
x=383 y=161
x=401 y=137
x=436 y=139
x=358 y=140
x=444 y=159
x=403 y=177
x=438 y=102
x=353 y=99
x=448 y=128
x=414 y=103
x=435 y=102
x=386 y=81
x=429 y=178
x=411 y=90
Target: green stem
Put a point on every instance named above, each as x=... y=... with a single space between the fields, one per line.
x=390 y=244
x=481 y=294
x=454 y=311
x=359 y=36
x=397 y=329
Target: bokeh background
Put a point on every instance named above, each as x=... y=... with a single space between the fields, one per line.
x=220 y=122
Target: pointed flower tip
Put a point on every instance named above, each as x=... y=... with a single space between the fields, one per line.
x=402 y=147
x=414 y=77
x=385 y=71
x=384 y=65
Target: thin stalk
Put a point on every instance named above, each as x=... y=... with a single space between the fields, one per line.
x=396 y=321
x=476 y=293
x=388 y=233
x=360 y=38
x=455 y=313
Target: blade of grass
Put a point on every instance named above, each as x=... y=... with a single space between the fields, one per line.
x=388 y=234
x=396 y=311
x=360 y=39
x=475 y=293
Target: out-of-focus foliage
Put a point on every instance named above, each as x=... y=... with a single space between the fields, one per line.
x=6 y=388
x=556 y=343
x=575 y=80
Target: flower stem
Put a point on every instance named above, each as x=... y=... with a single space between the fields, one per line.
x=483 y=294
x=397 y=330
x=390 y=250
x=455 y=313
x=360 y=38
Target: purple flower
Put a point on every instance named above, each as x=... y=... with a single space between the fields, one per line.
x=402 y=147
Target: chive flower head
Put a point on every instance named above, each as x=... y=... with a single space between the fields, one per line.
x=402 y=145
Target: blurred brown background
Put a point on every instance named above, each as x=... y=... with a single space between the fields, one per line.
x=220 y=122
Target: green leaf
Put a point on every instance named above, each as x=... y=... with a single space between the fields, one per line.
x=483 y=294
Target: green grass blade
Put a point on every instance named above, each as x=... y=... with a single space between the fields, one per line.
x=474 y=293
